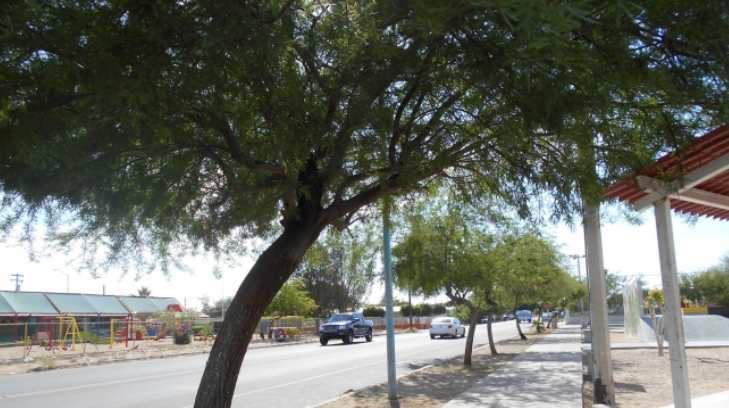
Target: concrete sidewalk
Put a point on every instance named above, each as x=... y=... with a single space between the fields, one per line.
x=547 y=375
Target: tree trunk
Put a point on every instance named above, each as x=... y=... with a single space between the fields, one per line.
x=540 y=327
x=469 y=341
x=516 y=319
x=268 y=274
x=518 y=328
x=492 y=345
x=657 y=331
x=410 y=308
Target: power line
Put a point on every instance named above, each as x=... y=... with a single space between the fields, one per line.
x=18 y=278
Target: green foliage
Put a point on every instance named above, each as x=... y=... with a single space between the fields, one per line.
x=443 y=254
x=688 y=289
x=654 y=298
x=92 y=338
x=530 y=271
x=158 y=122
x=373 y=311
x=713 y=284
x=339 y=269
x=424 y=309
x=203 y=330
x=292 y=300
x=614 y=287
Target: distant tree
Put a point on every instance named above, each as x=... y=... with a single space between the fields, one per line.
x=653 y=300
x=614 y=289
x=215 y=309
x=292 y=300
x=688 y=289
x=529 y=270
x=373 y=311
x=713 y=283
x=338 y=270
x=144 y=291
x=441 y=254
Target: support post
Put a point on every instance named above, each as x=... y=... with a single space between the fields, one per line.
x=389 y=312
x=673 y=319
x=603 y=379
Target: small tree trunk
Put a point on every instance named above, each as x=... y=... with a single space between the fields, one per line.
x=471 y=332
x=268 y=274
x=492 y=345
x=518 y=328
x=540 y=328
x=657 y=330
x=410 y=308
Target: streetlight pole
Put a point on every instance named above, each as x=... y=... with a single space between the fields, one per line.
x=577 y=257
x=389 y=319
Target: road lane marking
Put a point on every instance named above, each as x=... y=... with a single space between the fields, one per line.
x=303 y=380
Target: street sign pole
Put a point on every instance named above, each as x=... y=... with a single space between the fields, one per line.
x=389 y=320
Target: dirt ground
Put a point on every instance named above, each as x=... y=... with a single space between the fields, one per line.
x=642 y=379
x=433 y=386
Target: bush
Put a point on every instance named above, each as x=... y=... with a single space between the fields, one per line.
x=424 y=309
x=202 y=330
x=373 y=311
x=293 y=331
x=93 y=338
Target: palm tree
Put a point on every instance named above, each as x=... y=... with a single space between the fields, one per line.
x=144 y=291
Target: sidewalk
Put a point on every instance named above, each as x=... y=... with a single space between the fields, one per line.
x=547 y=375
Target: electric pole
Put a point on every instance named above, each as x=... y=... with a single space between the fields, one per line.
x=18 y=278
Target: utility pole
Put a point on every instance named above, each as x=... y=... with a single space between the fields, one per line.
x=18 y=278
x=389 y=319
x=579 y=278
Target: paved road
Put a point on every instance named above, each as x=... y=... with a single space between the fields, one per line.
x=291 y=376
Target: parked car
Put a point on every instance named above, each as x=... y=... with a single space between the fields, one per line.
x=508 y=316
x=524 y=315
x=446 y=327
x=347 y=327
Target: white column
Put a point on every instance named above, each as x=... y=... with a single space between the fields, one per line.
x=598 y=303
x=673 y=320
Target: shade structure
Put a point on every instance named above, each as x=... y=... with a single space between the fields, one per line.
x=27 y=303
x=695 y=181
x=72 y=304
x=695 y=178
x=143 y=305
x=106 y=305
x=79 y=304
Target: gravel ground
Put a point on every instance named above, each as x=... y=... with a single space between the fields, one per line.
x=642 y=379
x=434 y=386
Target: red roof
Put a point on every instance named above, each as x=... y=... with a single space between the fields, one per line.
x=698 y=153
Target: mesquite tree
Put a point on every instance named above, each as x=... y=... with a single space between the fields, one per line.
x=445 y=254
x=528 y=269
x=161 y=124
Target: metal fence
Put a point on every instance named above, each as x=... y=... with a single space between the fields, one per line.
x=63 y=332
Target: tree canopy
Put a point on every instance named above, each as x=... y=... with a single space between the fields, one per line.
x=339 y=269
x=166 y=120
x=209 y=122
x=292 y=300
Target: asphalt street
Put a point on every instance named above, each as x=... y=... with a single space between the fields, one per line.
x=290 y=376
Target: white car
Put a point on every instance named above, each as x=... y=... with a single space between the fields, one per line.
x=446 y=327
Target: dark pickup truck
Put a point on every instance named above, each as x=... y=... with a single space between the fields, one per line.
x=345 y=326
